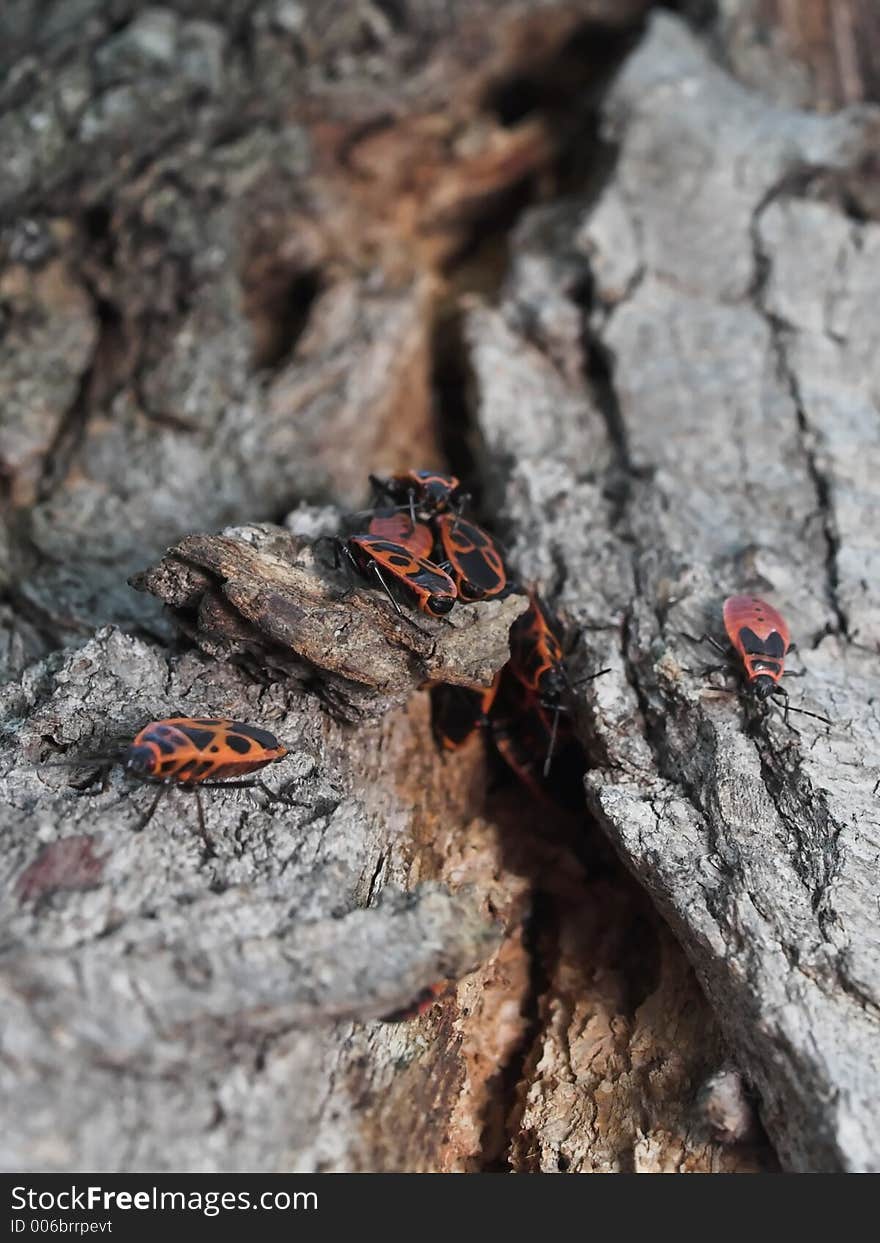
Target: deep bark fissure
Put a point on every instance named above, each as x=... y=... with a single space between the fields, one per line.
x=453 y=387
x=72 y=426
x=505 y=1105
x=806 y=432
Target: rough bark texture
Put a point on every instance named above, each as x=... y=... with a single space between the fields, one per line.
x=733 y=356
x=251 y=252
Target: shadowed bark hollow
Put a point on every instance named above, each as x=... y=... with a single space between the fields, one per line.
x=593 y=260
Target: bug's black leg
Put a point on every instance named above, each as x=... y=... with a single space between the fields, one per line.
x=251 y=785
x=96 y=769
x=103 y=774
x=412 y=506
x=375 y=570
x=794 y=673
x=145 y=820
x=200 y=811
x=338 y=547
x=792 y=647
x=344 y=559
x=714 y=686
x=549 y=759
x=706 y=638
x=228 y=785
x=707 y=669
x=785 y=721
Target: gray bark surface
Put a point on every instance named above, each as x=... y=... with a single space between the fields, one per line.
x=249 y=253
x=731 y=309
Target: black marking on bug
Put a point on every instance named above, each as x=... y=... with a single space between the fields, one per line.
x=261 y=737
x=771 y=646
x=426 y=578
x=200 y=738
x=239 y=744
x=162 y=740
x=477 y=571
x=770 y=666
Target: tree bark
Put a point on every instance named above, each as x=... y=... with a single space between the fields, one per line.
x=733 y=363
x=252 y=252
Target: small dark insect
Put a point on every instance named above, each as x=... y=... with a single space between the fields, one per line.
x=473 y=559
x=536 y=655
x=420 y=1005
x=537 y=659
x=422 y=492
x=391 y=565
x=759 y=639
x=198 y=753
x=399 y=528
x=521 y=733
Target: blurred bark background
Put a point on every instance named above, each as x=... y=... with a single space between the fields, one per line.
x=613 y=263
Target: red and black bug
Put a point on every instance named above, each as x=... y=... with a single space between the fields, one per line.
x=393 y=566
x=399 y=528
x=192 y=750
x=422 y=1003
x=537 y=660
x=422 y=492
x=536 y=655
x=197 y=753
x=473 y=559
x=759 y=635
x=522 y=734
x=760 y=640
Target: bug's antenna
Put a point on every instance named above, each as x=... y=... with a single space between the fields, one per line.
x=380 y=509
x=780 y=690
x=590 y=677
x=552 y=745
x=85 y=761
x=200 y=810
x=815 y=715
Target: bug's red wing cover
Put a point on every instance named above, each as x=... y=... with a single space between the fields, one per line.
x=193 y=749
x=399 y=528
x=478 y=565
x=751 y=613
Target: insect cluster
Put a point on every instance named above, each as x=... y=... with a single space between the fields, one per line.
x=524 y=710
x=420 y=549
